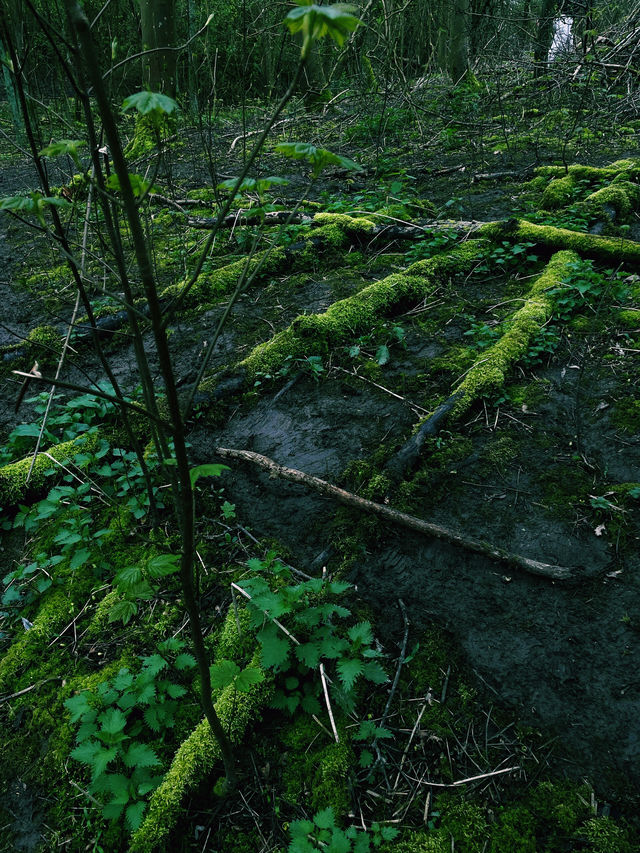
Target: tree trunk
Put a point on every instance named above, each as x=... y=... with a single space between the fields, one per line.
x=544 y=35
x=458 y=52
x=159 y=35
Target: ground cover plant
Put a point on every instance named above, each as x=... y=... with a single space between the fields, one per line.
x=319 y=474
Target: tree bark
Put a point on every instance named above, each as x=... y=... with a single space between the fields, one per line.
x=157 y=19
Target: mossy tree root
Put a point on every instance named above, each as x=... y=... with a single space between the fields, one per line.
x=196 y=759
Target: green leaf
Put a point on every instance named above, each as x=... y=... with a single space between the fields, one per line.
x=325 y=818
x=252 y=184
x=349 y=670
x=249 y=676
x=150 y=102
x=79 y=558
x=101 y=759
x=184 y=661
x=128 y=577
x=138 y=184
x=123 y=610
x=64 y=146
x=361 y=633
x=163 y=565
x=308 y=654
x=78 y=705
x=382 y=354
x=275 y=647
x=173 y=644
x=315 y=22
x=223 y=673
x=319 y=158
x=176 y=690
x=123 y=679
x=154 y=664
x=140 y=755
x=133 y=815
x=211 y=470
x=361 y=843
x=366 y=758
x=112 y=721
x=374 y=672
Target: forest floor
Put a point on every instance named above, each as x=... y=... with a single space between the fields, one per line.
x=541 y=674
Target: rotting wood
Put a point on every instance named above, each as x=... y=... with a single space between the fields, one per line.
x=556 y=573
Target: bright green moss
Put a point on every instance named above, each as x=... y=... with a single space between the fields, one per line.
x=558 y=193
x=233 y=644
x=54 y=612
x=626 y=415
x=345 y=224
x=13 y=477
x=630 y=168
x=316 y=772
x=314 y=334
x=628 y=318
x=195 y=760
x=618 y=199
x=491 y=368
x=607 y=249
x=605 y=836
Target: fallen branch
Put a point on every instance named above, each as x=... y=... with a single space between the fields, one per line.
x=395 y=517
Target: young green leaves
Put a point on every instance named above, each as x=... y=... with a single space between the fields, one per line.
x=318 y=158
x=315 y=22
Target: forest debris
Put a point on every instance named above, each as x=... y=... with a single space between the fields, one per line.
x=428 y=528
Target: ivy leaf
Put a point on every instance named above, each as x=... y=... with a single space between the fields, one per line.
x=275 y=648
x=150 y=103
x=140 y=755
x=211 y=470
x=249 y=676
x=349 y=670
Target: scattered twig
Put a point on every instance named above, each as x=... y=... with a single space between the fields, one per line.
x=472 y=778
x=428 y=528
x=403 y=652
x=325 y=690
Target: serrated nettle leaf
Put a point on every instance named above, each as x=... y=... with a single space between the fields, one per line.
x=275 y=647
x=123 y=610
x=129 y=576
x=361 y=633
x=366 y=758
x=325 y=818
x=112 y=721
x=382 y=354
x=223 y=673
x=150 y=102
x=154 y=664
x=184 y=661
x=308 y=654
x=173 y=644
x=101 y=759
x=310 y=705
x=140 y=755
x=85 y=731
x=349 y=670
x=133 y=815
x=78 y=705
x=374 y=672
x=163 y=565
x=249 y=676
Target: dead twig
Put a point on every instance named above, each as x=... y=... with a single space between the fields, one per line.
x=428 y=528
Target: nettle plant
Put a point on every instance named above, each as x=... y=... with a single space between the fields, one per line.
x=118 y=719
x=322 y=833
x=303 y=639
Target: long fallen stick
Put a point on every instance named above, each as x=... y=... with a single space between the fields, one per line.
x=556 y=573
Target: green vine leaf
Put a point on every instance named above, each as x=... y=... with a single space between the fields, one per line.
x=147 y=103
x=318 y=158
x=64 y=146
x=315 y=22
